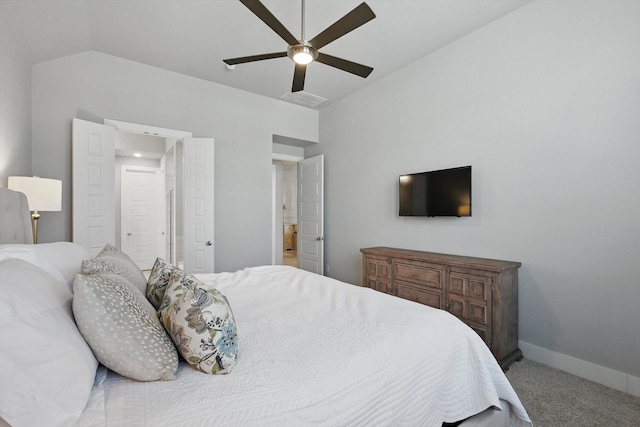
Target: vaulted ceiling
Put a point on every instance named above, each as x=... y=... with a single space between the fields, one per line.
x=192 y=37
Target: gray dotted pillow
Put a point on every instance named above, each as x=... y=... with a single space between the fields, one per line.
x=122 y=328
x=113 y=260
x=158 y=280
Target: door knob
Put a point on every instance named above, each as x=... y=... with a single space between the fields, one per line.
x=208 y=243
x=319 y=238
x=128 y=234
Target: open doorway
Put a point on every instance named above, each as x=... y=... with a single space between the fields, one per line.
x=93 y=190
x=285 y=212
x=186 y=228
x=290 y=213
x=183 y=221
x=298 y=200
x=139 y=197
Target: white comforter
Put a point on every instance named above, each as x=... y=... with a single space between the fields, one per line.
x=315 y=351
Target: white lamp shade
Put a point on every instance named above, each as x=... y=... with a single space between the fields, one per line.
x=43 y=194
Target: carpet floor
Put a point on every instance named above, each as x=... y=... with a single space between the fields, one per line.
x=554 y=398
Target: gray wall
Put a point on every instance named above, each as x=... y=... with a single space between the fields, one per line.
x=545 y=104
x=15 y=107
x=94 y=86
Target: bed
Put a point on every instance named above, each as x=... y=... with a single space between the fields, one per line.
x=311 y=351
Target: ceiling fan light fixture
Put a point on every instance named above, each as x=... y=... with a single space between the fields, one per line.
x=303 y=58
x=302 y=54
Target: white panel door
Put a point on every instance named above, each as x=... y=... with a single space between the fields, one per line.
x=311 y=214
x=93 y=162
x=198 y=205
x=142 y=225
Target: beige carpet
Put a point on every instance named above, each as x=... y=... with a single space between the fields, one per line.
x=555 y=398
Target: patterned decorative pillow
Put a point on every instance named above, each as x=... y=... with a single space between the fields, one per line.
x=199 y=320
x=158 y=281
x=122 y=328
x=113 y=260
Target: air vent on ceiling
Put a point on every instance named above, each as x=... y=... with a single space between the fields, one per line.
x=303 y=98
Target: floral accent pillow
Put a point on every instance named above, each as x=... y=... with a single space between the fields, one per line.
x=158 y=281
x=122 y=328
x=200 y=322
x=113 y=260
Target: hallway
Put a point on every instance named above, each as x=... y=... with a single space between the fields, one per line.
x=290 y=258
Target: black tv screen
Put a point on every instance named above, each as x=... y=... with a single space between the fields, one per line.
x=445 y=192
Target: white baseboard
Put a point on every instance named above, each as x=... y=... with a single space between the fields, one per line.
x=581 y=368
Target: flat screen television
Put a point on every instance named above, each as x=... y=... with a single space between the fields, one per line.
x=445 y=192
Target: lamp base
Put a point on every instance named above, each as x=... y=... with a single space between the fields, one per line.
x=35 y=216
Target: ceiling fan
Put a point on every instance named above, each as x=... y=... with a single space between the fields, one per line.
x=303 y=52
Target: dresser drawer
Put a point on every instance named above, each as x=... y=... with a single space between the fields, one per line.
x=422 y=296
x=432 y=277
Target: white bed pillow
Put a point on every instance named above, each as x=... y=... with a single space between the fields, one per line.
x=67 y=257
x=60 y=259
x=200 y=322
x=122 y=328
x=113 y=260
x=46 y=367
x=158 y=281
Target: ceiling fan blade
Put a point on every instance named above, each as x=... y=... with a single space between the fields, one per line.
x=298 y=78
x=352 y=20
x=344 y=65
x=244 y=59
x=267 y=17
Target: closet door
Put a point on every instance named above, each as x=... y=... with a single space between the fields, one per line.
x=142 y=217
x=93 y=160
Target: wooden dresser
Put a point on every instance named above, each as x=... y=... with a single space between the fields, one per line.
x=483 y=293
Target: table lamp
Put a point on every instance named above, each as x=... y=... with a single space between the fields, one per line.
x=43 y=194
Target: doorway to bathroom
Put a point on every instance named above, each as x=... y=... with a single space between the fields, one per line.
x=290 y=213
x=297 y=205
x=285 y=206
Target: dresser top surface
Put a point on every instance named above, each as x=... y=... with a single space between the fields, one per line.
x=459 y=260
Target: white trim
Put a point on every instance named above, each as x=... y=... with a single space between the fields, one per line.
x=147 y=130
x=581 y=368
x=286 y=157
x=273 y=214
x=633 y=385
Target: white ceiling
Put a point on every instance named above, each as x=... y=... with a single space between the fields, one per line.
x=193 y=36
